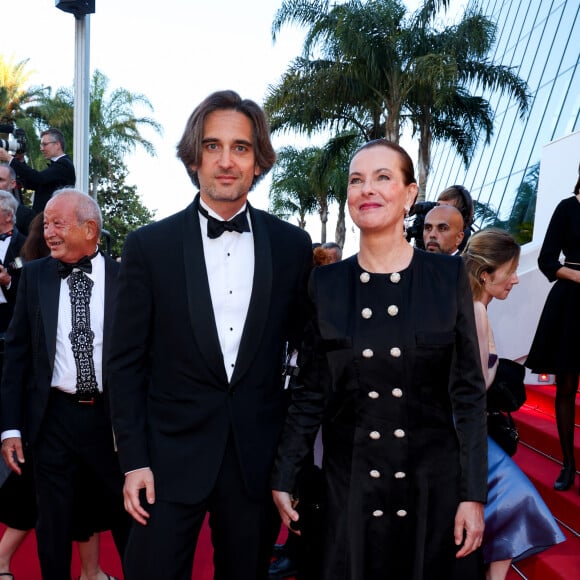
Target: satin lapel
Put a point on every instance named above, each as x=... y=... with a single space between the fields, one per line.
x=111 y=271
x=198 y=294
x=261 y=295
x=48 y=297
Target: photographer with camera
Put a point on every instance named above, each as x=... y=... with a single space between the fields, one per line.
x=59 y=173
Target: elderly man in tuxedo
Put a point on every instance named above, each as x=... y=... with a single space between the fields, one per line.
x=54 y=368
x=208 y=299
x=59 y=173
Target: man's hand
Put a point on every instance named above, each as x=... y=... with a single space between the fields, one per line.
x=469 y=526
x=135 y=481
x=5 y=277
x=13 y=453
x=286 y=510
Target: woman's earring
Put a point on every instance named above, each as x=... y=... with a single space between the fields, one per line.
x=405 y=219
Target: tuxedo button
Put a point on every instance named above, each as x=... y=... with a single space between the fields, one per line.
x=378 y=513
x=401 y=513
x=373 y=395
x=400 y=475
x=375 y=473
x=399 y=433
x=395 y=352
x=397 y=393
x=368 y=353
x=393 y=310
x=375 y=435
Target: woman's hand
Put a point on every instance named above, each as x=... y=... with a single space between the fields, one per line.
x=469 y=525
x=285 y=505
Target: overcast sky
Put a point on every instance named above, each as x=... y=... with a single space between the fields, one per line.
x=175 y=52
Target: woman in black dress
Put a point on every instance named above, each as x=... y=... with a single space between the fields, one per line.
x=556 y=346
x=390 y=368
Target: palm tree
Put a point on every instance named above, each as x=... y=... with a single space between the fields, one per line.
x=115 y=130
x=368 y=67
x=16 y=98
x=290 y=191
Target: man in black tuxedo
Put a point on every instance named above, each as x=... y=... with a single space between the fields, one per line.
x=11 y=241
x=54 y=363
x=201 y=323
x=59 y=173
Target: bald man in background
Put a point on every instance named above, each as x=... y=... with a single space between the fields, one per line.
x=443 y=230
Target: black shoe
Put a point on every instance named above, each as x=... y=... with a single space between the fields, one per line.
x=283 y=567
x=566 y=478
x=278 y=550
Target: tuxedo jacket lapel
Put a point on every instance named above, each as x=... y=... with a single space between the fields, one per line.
x=257 y=317
x=111 y=271
x=198 y=295
x=48 y=296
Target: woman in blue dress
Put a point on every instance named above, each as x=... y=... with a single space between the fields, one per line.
x=517 y=521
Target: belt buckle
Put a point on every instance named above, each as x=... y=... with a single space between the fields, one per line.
x=86 y=400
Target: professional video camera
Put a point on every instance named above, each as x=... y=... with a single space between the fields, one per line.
x=416 y=221
x=16 y=141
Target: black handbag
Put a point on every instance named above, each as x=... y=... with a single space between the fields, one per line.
x=507 y=392
x=502 y=429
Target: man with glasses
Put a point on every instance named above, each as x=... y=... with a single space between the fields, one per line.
x=59 y=173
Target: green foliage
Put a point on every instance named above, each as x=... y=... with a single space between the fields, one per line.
x=372 y=67
x=122 y=209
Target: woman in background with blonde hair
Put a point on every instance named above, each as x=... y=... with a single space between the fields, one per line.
x=517 y=521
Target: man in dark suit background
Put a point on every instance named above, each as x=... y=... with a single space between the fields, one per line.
x=200 y=327
x=54 y=363
x=59 y=173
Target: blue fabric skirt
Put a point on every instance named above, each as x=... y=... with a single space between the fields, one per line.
x=517 y=521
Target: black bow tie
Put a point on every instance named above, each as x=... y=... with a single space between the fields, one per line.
x=5 y=235
x=84 y=264
x=215 y=228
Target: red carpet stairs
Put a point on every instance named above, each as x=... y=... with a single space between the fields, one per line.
x=539 y=457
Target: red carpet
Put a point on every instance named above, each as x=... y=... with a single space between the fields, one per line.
x=25 y=562
x=538 y=456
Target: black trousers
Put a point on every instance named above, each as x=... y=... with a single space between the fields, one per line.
x=242 y=532
x=73 y=436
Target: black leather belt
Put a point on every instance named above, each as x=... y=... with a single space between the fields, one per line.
x=78 y=397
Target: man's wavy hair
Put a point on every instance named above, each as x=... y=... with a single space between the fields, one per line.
x=189 y=148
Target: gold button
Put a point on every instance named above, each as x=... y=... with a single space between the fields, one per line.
x=401 y=513
x=398 y=393
x=395 y=352
x=368 y=353
x=375 y=473
x=395 y=277
x=366 y=313
x=399 y=433
x=374 y=435
x=393 y=310
x=365 y=277
x=373 y=395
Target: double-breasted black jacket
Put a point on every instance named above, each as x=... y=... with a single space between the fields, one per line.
x=391 y=370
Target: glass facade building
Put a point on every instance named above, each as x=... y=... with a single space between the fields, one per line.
x=540 y=41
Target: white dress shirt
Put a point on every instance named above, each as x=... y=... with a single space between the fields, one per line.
x=229 y=261
x=64 y=374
